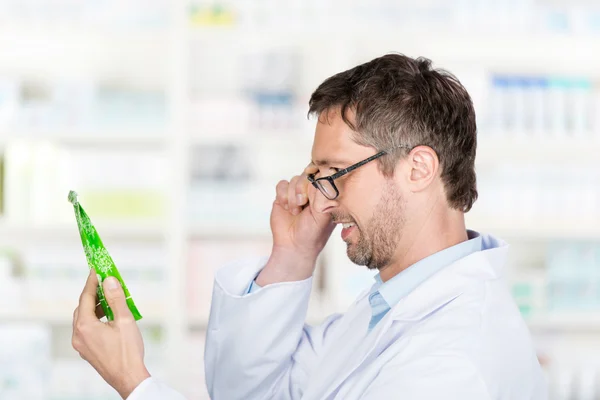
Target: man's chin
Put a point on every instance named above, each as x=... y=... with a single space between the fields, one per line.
x=358 y=259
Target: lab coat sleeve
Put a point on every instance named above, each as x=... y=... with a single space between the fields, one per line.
x=257 y=345
x=433 y=376
x=153 y=389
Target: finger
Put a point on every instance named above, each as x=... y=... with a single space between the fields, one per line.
x=302 y=190
x=292 y=200
x=311 y=169
x=115 y=296
x=87 y=300
x=311 y=191
x=282 y=193
x=75 y=315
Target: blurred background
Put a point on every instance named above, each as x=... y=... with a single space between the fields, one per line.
x=175 y=119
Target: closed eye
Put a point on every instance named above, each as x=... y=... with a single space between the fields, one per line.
x=330 y=171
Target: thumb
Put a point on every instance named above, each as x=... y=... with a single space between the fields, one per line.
x=115 y=297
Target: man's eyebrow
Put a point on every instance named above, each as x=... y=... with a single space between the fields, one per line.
x=328 y=162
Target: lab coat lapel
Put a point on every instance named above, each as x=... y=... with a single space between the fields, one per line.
x=351 y=347
x=450 y=283
x=354 y=345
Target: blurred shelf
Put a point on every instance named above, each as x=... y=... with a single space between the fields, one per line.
x=80 y=138
x=198 y=323
x=60 y=319
x=257 y=137
x=229 y=232
x=513 y=227
x=131 y=230
x=17 y=34
x=539 y=229
x=530 y=148
x=317 y=312
x=514 y=51
x=47 y=53
x=563 y=322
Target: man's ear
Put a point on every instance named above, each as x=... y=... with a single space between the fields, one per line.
x=424 y=164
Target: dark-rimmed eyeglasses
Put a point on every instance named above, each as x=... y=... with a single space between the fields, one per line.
x=326 y=184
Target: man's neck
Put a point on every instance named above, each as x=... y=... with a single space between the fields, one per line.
x=436 y=234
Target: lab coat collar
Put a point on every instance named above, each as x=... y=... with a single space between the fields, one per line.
x=452 y=281
x=440 y=289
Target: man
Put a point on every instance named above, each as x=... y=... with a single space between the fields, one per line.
x=393 y=161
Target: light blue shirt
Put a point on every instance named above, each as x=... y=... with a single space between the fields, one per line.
x=385 y=295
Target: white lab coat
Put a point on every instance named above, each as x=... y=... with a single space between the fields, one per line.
x=457 y=336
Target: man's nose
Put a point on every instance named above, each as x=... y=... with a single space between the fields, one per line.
x=323 y=204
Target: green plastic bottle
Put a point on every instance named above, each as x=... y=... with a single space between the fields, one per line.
x=98 y=258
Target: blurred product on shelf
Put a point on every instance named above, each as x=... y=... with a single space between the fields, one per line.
x=578 y=382
x=516 y=106
x=221 y=175
x=115 y=183
x=205 y=257
x=270 y=79
x=122 y=14
x=534 y=192
x=212 y=118
x=39 y=107
x=529 y=291
x=25 y=364
x=262 y=93
x=34 y=175
x=72 y=378
x=572 y=367
x=211 y=14
x=573 y=270
x=221 y=162
x=2 y=194
x=11 y=283
x=9 y=102
x=195 y=378
x=567 y=285
x=542 y=107
x=57 y=271
x=506 y=16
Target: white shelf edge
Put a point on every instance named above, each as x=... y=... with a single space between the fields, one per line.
x=512 y=228
x=53 y=318
x=227 y=232
x=128 y=230
x=536 y=51
x=391 y=33
x=537 y=228
x=319 y=308
x=80 y=33
x=88 y=139
x=255 y=137
x=563 y=321
x=537 y=149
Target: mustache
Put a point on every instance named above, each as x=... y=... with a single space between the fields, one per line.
x=337 y=218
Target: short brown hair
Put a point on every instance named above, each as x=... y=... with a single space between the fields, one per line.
x=398 y=100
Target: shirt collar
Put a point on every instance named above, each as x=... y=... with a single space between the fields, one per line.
x=406 y=281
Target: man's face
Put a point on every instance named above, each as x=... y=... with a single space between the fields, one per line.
x=370 y=205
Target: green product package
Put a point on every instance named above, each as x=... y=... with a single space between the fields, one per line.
x=98 y=258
